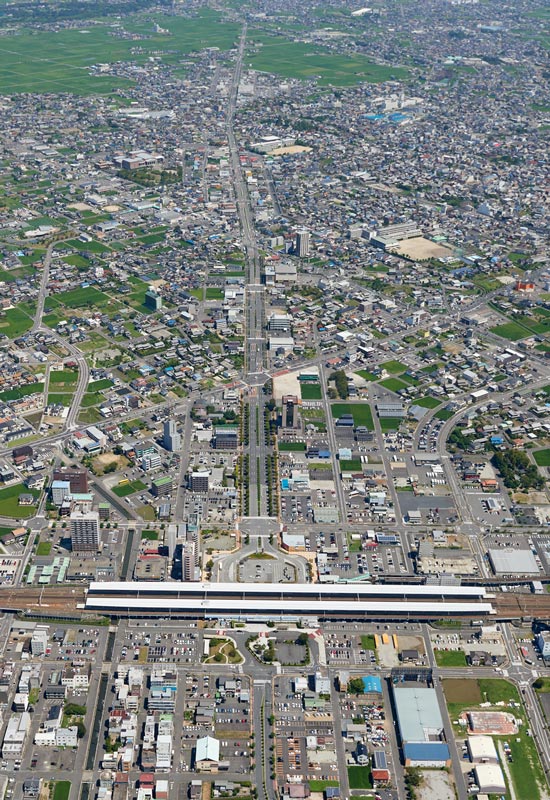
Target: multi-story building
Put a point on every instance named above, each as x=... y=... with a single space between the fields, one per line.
x=84 y=528
x=60 y=491
x=171 y=439
x=78 y=478
x=39 y=642
x=198 y=481
x=302 y=243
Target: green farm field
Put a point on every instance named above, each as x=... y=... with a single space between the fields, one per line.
x=44 y=61
x=14 y=322
x=305 y=61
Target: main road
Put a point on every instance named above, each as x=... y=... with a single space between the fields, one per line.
x=255 y=345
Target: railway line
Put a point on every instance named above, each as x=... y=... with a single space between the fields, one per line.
x=71 y=601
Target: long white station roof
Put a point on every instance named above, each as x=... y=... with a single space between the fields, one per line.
x=289 y=606
x=280 y=590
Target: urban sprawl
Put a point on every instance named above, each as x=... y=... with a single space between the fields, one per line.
x=274 y=400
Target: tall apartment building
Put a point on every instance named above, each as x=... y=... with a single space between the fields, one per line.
x=171 y=439
x=84 y=527
x=302 y=243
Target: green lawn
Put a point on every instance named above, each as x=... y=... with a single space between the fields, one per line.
x=44 y=549
x=450 y=658
x=14 y=322
x=511 y=331
x=55 y=398
x=63 y=376
x=393 y=384
x=62 y=790
x=367 y=642
x=354 y=465
x=366 y=375
x=427 y=402
x=98 y=386
x=152 y=536
x=542 y=458
x=22 y=391
x=393 y=367
x=390 y=423
x=310 y=391
x=128 y=488
x=291 y=447
x=214 y=293
x=359 y=777
x=9 y=506
x=443 y=414
x=361 y=412
x=81 y=298
x=320 y=786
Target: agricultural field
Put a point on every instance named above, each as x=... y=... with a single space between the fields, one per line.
x=83 y=297
x=61 y=61
x=14 y=322
x=305 y=61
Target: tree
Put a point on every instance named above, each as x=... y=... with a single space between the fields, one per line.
x=356 y=686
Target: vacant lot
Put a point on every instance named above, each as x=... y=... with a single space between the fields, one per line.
x=105 y=462
x=450 y=658
x=310 y=391
x=393 y=384
x=460 y=691
x=542 y=458
x=428 y=402
x=361 y=412
x=511 y=331
x=393 y=367
x=420 y=249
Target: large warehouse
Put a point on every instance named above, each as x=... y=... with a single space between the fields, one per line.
x=510 y=561
x=245 y=600
x=420 y=726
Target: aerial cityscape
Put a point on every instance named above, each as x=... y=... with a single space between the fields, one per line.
x=274 y=400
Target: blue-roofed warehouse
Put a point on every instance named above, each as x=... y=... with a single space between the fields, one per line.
x=426 y=754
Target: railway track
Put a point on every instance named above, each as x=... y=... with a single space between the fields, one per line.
x=70 y=601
